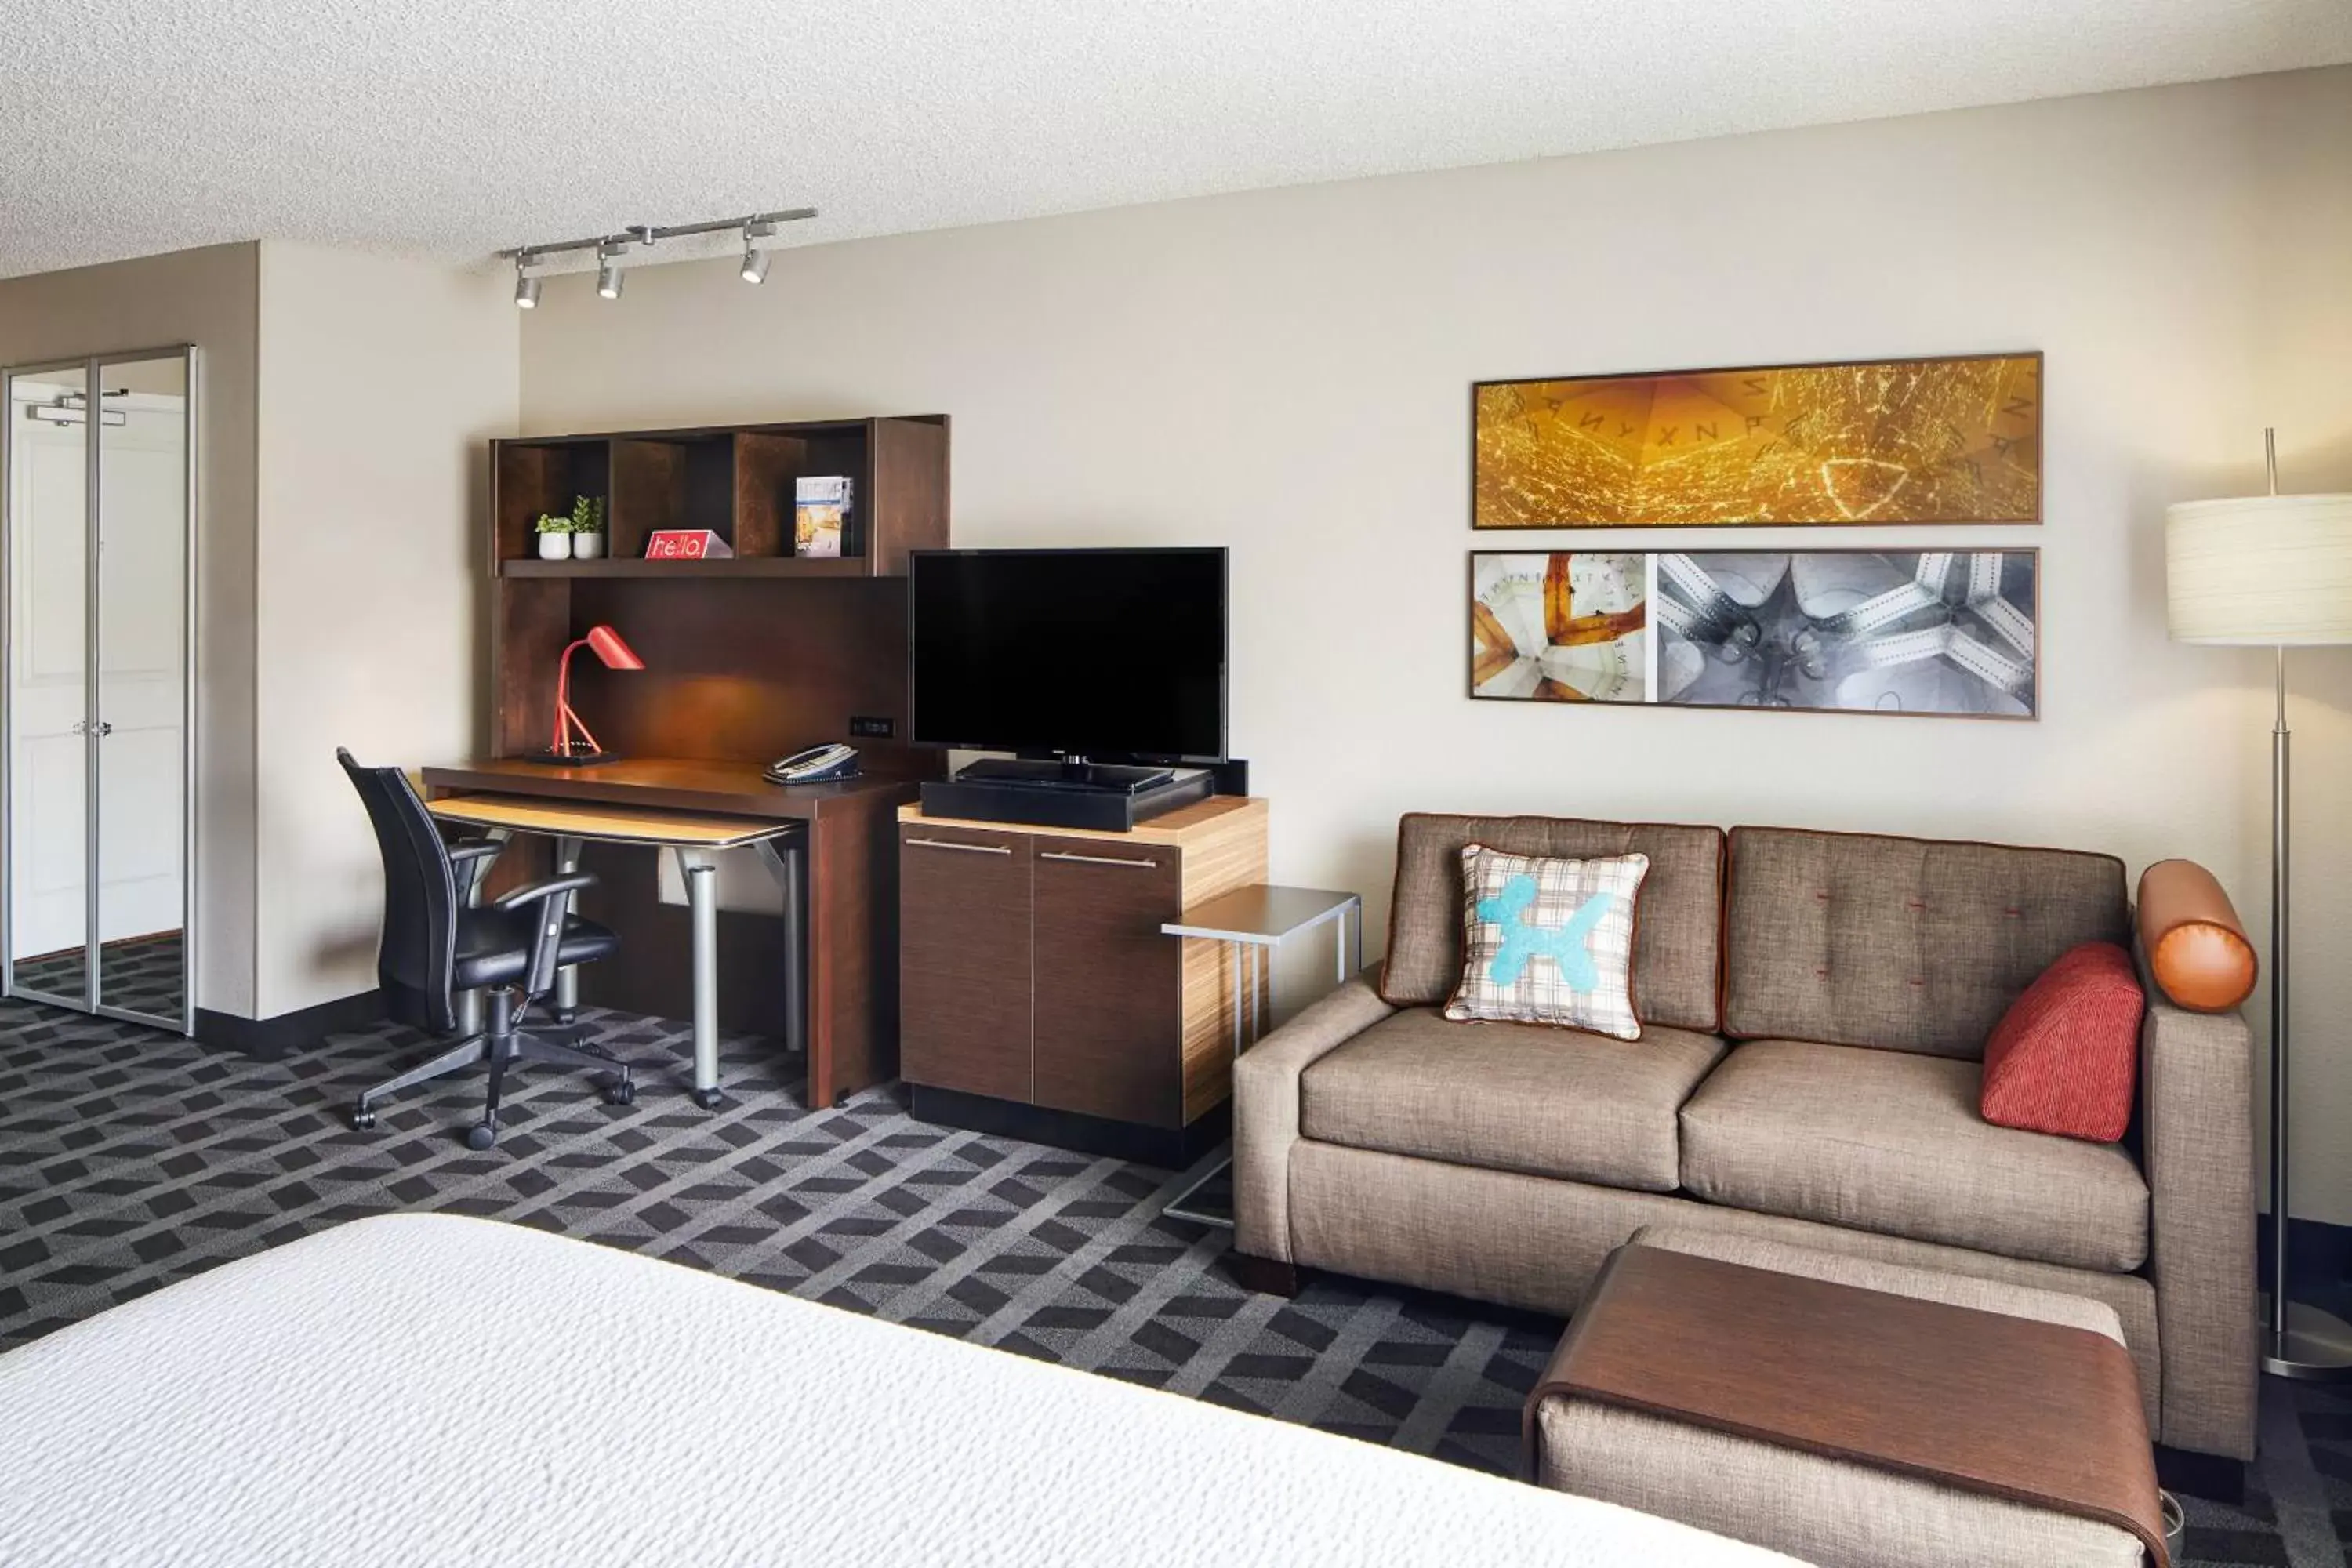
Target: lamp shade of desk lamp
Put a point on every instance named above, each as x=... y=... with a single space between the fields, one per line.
x=2275 y=572
x=573 y=742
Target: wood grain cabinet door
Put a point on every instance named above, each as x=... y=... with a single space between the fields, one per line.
x=1109 y=1004
x=963 y=959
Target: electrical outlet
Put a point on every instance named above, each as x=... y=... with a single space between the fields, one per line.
x=871 y=728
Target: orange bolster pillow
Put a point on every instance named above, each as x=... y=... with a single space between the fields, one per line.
x=2195 y=946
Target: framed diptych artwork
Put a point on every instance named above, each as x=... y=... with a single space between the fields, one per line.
x=1937 y=633
x=1952 y=440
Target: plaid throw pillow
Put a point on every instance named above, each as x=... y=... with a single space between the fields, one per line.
x=1549 y=941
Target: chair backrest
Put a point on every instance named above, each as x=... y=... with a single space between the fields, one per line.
x=418 y=950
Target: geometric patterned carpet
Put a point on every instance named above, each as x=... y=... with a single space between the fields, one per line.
x=130 y=1159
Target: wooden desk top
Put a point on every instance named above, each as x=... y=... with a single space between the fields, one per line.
x=668 y=783
x=607 y=824
x=2034 y=1412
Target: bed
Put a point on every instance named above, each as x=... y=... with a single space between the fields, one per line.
x=433 y=1390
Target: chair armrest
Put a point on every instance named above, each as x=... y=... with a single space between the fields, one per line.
x=553 y=898
x=2197 y=1120
x=550 y=889
x=465 y=849
x=1265 y=1109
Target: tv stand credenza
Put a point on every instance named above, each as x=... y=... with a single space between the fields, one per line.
x=1037 y=994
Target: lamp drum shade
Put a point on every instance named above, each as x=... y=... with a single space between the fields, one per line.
x=2274 y=571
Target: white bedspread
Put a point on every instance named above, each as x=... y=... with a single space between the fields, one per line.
x=429 y=1390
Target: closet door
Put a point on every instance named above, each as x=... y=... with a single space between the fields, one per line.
x=50 y=781
x=99 y=694
x=143 y=676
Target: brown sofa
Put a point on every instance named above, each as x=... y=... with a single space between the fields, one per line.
x=1814 y=1009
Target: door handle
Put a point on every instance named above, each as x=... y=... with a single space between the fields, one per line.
x=1096 y=859
x=967 y=848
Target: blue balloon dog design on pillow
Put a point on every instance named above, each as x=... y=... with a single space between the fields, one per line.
x=1568 y=945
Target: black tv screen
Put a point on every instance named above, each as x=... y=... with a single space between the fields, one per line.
x=1084 y=652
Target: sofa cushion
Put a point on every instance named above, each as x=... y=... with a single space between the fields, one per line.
x=1511 y=1097
x=1676 y=950
x=1908 y=944
x=1891 y=1142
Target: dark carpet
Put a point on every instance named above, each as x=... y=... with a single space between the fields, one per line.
x=130 y=1159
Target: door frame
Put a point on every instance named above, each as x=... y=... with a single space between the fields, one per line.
x=92 y=1000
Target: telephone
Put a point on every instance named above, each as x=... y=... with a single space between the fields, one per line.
x=818 y=764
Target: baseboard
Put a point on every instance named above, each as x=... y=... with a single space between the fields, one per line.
x=1168 y=1149
x=270 y=1039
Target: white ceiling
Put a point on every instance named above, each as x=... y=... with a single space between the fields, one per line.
x=456 y=127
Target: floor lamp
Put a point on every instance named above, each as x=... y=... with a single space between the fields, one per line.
x=2271 y=570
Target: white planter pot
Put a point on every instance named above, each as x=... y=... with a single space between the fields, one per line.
x=587 y=546
x=555 y=547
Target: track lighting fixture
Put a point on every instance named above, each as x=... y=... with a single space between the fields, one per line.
x=612 y=249
x=755 y=260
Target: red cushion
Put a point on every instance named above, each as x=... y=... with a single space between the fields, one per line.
x=2064 y=1056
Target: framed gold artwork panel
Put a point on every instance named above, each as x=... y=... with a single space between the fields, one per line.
x=1952 y=440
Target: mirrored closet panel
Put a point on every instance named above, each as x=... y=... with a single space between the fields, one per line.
x=96 y=840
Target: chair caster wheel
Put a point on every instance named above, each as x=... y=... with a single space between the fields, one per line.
x=481 y=1136
x=623 y=1091
x=364 y=1120
x=706 y=1098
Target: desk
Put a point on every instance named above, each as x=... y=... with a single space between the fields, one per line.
x=693 y=840
x=848 y=889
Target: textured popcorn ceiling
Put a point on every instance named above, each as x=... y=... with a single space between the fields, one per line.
x=456 y=126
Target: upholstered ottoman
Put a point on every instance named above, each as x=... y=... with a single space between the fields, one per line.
x=1886 y=1425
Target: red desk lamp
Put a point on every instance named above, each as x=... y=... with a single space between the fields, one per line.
x=573 y=743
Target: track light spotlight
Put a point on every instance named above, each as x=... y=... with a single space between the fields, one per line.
x=755 y=260
x=608 y=271
x=526 y=286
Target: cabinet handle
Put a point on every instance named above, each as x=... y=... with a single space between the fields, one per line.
x=967 y=848
x=1096 y=859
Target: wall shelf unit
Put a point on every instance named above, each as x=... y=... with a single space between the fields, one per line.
x=735 y=481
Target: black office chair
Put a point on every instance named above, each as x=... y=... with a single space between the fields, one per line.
x=434 y=946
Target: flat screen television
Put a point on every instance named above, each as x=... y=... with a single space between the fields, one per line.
x=1083 y=653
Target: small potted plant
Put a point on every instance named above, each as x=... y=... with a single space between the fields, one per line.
x=587 y=527
x=554 y=537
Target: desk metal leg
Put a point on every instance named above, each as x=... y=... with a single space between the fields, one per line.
x=786 y=861
x=567 y=979
x=700 y=874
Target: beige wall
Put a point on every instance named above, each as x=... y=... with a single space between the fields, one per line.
x=1287 y=373
x=208 y=298
x=381 y=382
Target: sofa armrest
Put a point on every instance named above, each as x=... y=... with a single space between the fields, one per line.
x=2197 y=1119
x=1265 y=1109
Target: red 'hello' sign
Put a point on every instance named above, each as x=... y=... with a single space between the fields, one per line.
x=686 y=544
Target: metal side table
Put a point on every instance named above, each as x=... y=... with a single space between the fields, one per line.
x=1251 y=922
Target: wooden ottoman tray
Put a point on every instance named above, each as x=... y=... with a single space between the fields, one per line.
x=1852 y=1390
